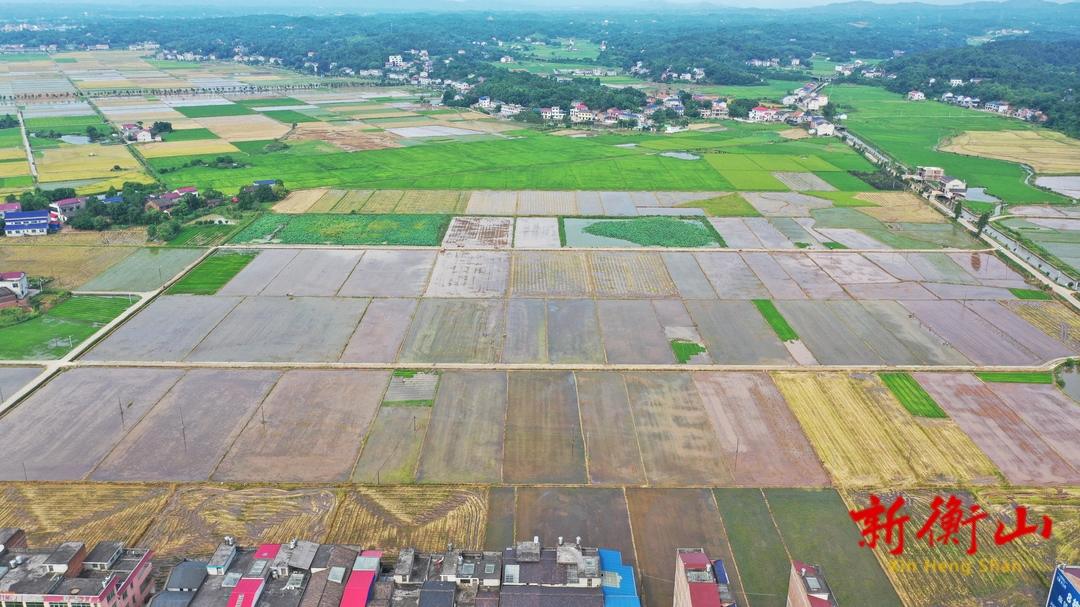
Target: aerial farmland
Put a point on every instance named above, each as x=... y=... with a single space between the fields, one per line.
x=450 y=327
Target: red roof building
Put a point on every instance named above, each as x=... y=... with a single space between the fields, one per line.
x=700 y=581
x=362 y=579
x=807 y=587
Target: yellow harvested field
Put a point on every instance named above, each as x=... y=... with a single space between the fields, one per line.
x=12 y=154
x=424 y=517
x=162 y=149
x=1011 y=574
x=350 y=137
x=1043 y=151
x=895 y=207
x=14 y=168
x=105 y=84
x=299 y=201
x=92 y=161
x=794 y=134
x=865 y=437
x=245 y=128
x=71 y=237
x=197 y=517
x=68 y=266
x=1049 y=317
x=51 y=513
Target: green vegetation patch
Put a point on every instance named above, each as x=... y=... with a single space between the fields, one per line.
x=776 y=320
x=189 y=135
x=289 y=116
x=270 y=102
x=319 y=228
x=912 y=395
x=756 y=545
x=685 y=349
x=1016 y=377
x=202 y=235
x=659 y=231
x=212 y=111
x=212 y=274
x=1030 y=294
x=64 y=326
x=65 y=125
x=409 y=403
x=835 y=246
x=732 y=205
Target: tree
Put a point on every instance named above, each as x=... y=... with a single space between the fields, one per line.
x=160 y=127
x=168 y=230
x=957 y=210
x=983 y=220
x=740 y=108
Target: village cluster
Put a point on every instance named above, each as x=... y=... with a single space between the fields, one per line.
x=303 y=573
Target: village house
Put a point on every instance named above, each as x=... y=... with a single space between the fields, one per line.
x=9 y=207
x=700 y=581
x=30 y=223
x=510 y=109
x=485 y=103
x=821 y=127
x=763 y=114
x=553 y=114
x=579 y=112
x=14 y=287
x=807 y=587
x=69 y=207
x=954 y=82
x=927 y=173
x=916 y=96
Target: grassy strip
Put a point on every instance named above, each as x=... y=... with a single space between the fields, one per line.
x=834 y=246
x=1016 y=377
x=776 y=320
x=212 y=274
x=70 y=322
x=755 y=544
x=1033 y=294
x=409 y=403
x=188 y=135
x=658 y=231
x=213 y=111
x=911 y=395
x=685 y=349
x=324 y=228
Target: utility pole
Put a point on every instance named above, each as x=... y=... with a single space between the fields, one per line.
x=123 y=424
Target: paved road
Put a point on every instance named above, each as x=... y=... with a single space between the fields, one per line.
x=26 y=146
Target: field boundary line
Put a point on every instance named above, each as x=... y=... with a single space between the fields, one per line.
x=727 y=540
x=772 y=517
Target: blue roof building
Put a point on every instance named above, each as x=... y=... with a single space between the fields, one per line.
x=260 y=182
x=29 y=223
x=619 y=584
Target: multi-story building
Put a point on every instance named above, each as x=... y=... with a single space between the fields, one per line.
x=807 y=587
x=700 y=581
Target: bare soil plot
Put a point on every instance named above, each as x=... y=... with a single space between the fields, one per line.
x=526 y=331
x=588 y=203
x=479 y=233
x=940 y=267
x=432 y=201
x=245 y=128
x=299 y=201
x=310 y=428
x=760 y=438
x=501 y=511
x=166 y=149
x=188 y=432
x=425 y=517
x=285 y=329
x=546 y=203
x=314 y=272
x=536 y=233
x=465 y=436
x=730 y=277
x=93 y=512
x=803 y=182
x=896 y=325
x=381 y=330
x=144 y=270
x=632 y=333
x=259 y=273
x=616 y=204
x=851 y=268
x=1052 y=318
x=166 y=330
x=814 y=282
x=771 y=274
x=685 y=272
x=550 y=274
x=543 y=431
x=967 y=331
x=1049 y=412
x=743 y=233
x=195 y=519
x=785 y=204
x=675 y=435
x=1021 y=451
x=608 y=425
x=989 y=270
x=736 y=333
x=629 y=274
x=12 y=379
x=573 y=332
x=1031 y=339
x=68 y=266
x=865 y=437
x=895 y=207
x=469 y=274
x=392 y=446
x=598 y=516
x=666 y=519
x=492 y=202
x=384 y=273
x=1044 y=151
x=47 y=436
x=455 y=330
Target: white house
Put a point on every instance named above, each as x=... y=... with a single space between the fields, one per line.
x=552 y=113
x=916 y=96
x=16 y=282
x=821 y=127
x=486 y=103
x=956 y=82
x=581 y=113
x=762 y=114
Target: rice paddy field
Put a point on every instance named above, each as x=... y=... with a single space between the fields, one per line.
x=58 y=330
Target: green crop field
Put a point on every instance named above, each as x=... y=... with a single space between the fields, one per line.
x=212 y=274
x=816 y=528
x=318 y=228
x=731 y=205
x=776 y=320
x=757 y=547
x=10 y=138
x=289 y=116
x=212 y=111
x=659 y=232
x=270 y=102
x=1030 y=294
x=911 y=132
x=67 y=125
x=1017 y=377
x=202 y=235
x=188 y=135
x=911 y=395
x=529 y=160
x=773 y=89
x=59 y=329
